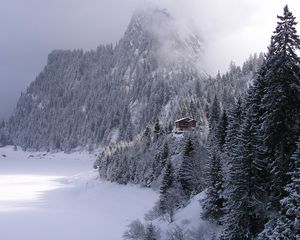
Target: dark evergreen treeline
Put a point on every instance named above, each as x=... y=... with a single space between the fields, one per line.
x=253 y=187
x=155 y=152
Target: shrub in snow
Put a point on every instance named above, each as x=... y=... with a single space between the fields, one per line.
x=136 y=231
x=139 y=231
x=177 y=233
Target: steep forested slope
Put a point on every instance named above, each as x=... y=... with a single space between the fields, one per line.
x=83 y=98
x=112 y=93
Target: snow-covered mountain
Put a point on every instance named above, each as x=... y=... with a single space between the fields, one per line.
x=112 y=93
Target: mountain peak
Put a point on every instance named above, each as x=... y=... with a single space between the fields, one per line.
x=171 y=41
x=150 y=21
x=150 y=15
x=99 y=97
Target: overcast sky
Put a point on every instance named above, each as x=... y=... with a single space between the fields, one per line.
x=30 y=29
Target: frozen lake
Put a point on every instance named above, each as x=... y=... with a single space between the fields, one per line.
x=58 y=196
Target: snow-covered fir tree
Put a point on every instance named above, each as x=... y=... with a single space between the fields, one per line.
x=213 y=204
x=169 y=199
x=151 y=233
x=286 y=225
x=243 y=219
x=260 y=157
x=281 y=103
x=186 y=176
x=222 y=130
x=168 y=178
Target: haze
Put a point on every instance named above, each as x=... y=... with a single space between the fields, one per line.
x=231 y=30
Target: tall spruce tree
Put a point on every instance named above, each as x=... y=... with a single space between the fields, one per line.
x=261 y=180
x=260 y=155
x=287 y=224
x=291 y=203
x=170 y=194
x=222 y=129
x=215 y=113
x=213 y=203
x=160 y=160
x=231 y=151
x=157 y=127
x=281 y=103
x=186 y=169
x=168 y=178
x=164 y=154
x=243 y=219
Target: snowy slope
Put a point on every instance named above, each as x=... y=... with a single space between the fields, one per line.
x=58 y=196
x=188 y=219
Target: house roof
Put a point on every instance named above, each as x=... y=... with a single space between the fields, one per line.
x=186 y=119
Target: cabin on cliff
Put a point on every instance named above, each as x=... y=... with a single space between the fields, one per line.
x=185 y=124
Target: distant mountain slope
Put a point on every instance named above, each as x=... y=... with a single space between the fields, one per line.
x=113 y=93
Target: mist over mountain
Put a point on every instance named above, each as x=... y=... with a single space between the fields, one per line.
x=112 y=93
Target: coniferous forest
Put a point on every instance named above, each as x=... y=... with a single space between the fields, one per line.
x=251 y=174
x=260 y=148
x=244 y=154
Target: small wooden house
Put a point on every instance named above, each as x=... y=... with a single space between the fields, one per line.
x=185 y=124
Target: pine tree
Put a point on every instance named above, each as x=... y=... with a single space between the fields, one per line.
x=151 y=233
x=164 y=154
x=287 y=224
x=233 y=129
x=222 y=129
x=213 y=204
x=168 y=178
x=157 y=127
x=214 y=115
x=260 y=162
x=281 y=103
x=187 y=167
x=243 y=219
x=136 y=231
x=259 y=157
x=235 y=177
x=160 y=160
x=232 y=140
x=291 y=203
x=168 y=199
x=147 y=137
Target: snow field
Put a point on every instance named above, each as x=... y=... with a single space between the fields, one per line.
x=58 y=196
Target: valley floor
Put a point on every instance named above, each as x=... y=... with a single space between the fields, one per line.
x=57 y=196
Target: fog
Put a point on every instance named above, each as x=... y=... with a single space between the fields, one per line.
x=231 y=30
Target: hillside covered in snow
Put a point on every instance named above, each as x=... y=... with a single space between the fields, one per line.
x=111 y=94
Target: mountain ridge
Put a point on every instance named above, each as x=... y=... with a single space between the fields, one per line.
x=112 y=93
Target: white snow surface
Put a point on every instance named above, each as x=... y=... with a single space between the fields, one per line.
x=189 y=219
x=58 y=196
